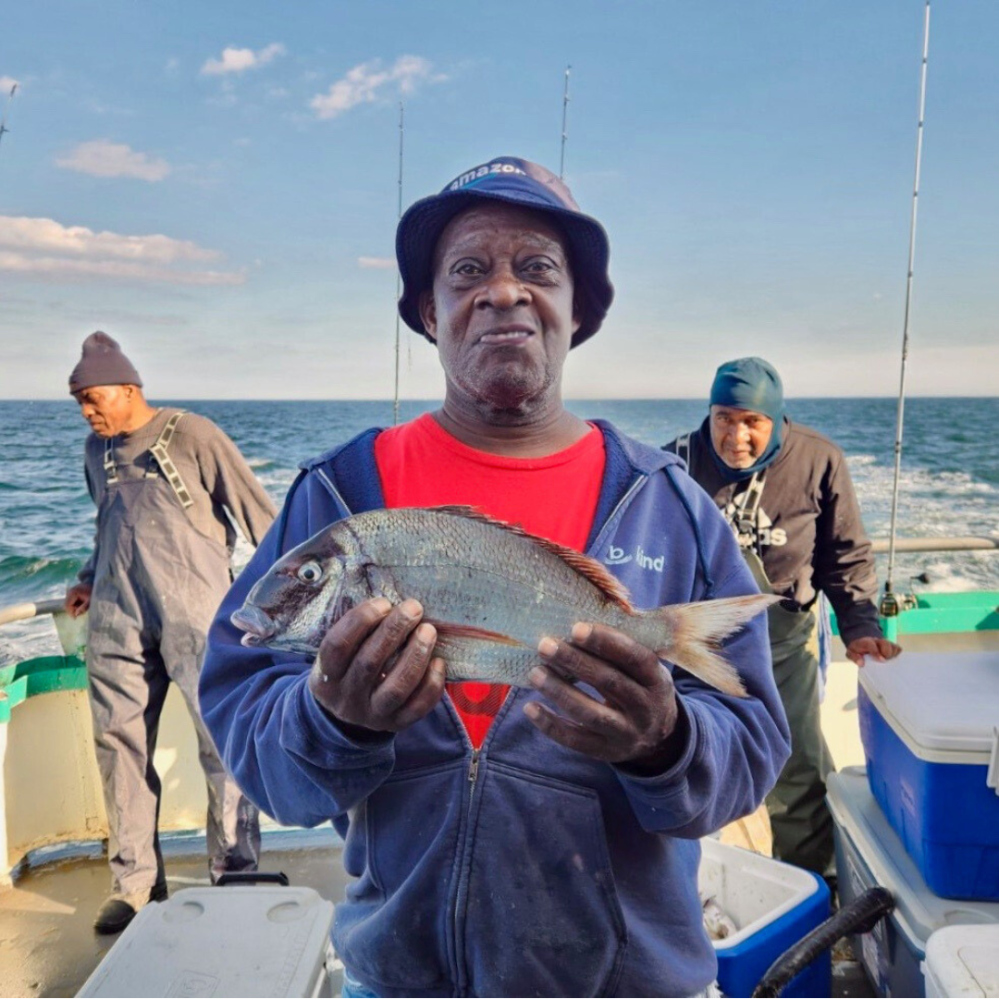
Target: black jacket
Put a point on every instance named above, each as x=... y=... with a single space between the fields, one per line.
x=810 y=534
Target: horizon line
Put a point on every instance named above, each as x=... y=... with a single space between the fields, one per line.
x=437 y=399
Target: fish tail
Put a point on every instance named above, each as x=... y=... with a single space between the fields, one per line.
x=695 y=631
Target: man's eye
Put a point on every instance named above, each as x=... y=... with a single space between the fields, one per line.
x=539 y=266
x=467 y=269
x=311 y=572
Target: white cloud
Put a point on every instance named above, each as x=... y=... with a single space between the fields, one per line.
x=47 y=249
x=239 y=60
x=378 y=263
x=57 y=267
x=101 y=158
x=368 y=82
x=6 y=84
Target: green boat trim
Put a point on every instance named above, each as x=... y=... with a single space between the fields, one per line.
x=942 y=613
x=43 y=675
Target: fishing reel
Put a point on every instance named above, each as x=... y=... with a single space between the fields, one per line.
x=892 y=604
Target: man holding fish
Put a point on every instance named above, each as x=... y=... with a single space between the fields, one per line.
x=480 y=709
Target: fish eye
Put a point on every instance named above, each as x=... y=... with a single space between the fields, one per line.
x=311 y=572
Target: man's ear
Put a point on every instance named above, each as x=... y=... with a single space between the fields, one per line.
x=428 y=314
x=577 y=313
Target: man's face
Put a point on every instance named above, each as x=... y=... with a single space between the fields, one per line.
x=107 y=408
x=739 y=436
x=501 y=308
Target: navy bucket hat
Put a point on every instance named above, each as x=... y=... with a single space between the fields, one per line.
x=517 y=182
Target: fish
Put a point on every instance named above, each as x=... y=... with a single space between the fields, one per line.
x=490 y=589
x=718 y=923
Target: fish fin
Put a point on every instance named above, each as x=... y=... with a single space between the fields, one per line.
x=448 y=631
x=589 y=568
x=696 y=629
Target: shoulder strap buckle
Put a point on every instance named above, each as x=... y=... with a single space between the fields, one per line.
x=110 y=468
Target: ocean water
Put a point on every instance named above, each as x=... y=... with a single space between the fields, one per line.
x=949 y=483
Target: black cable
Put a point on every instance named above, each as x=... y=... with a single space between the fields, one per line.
x=860 y=916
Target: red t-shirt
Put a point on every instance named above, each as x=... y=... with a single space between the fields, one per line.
x=555 y=497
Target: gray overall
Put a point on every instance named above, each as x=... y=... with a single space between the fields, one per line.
x=157 y=584
x=799 y=817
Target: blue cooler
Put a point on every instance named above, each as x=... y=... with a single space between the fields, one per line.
x=930 y=728
x=773 y=906
x=868 y=853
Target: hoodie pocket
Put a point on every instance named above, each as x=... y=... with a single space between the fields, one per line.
x=392 y=930
x=543 y=917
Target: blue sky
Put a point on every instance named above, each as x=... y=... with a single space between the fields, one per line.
x=215 y=184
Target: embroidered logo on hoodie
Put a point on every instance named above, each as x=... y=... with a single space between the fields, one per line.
x=616 y=556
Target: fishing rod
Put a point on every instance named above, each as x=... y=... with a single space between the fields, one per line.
x=398 y=276
x=890 y=604
x=3 y=120
x=565 y=115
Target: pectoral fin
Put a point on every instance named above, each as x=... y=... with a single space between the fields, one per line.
x=448 y=632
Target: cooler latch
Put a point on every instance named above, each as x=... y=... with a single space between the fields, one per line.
x=992 y=777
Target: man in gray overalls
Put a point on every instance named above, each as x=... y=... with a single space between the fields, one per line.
x=163 y=482
x=786 y=491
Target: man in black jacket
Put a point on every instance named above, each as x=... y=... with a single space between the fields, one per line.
x=786 y=491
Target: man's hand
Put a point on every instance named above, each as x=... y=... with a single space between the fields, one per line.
x=880 y=648
x=637 y=723
x=77 y=600
x=374 y=669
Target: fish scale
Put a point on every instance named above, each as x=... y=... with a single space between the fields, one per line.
x=492 y=591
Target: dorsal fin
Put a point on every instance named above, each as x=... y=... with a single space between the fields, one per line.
x=608 y=584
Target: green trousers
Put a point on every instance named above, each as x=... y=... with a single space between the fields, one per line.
x=801 y=822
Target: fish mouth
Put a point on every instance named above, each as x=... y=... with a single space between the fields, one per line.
x=257 y=625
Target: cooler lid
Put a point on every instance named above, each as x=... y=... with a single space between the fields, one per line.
x=918 y=911
x=964 y=960
x=939 y=704
x=240 y=940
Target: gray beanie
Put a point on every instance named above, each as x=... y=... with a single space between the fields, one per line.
x=102 y=363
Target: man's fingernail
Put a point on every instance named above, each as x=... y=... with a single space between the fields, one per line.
x=532 y=710
x=537 y=676
x=411 y=608
x=425 y=633
x=581 y=631
x=382 y=605
x=547 y=647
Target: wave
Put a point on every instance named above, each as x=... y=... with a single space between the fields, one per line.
x=23 y=578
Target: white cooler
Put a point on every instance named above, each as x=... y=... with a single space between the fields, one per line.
x=963 y=961
x=868 y=853
x=240 y=940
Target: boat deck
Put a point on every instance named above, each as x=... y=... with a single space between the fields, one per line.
x=47 y=943
x=48 y=946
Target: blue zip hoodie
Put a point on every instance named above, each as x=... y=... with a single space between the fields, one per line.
x=527 y=869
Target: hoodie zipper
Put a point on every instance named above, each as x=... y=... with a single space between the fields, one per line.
x=462 y=890
x=473 y=776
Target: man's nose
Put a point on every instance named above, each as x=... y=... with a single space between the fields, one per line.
x=504 y=290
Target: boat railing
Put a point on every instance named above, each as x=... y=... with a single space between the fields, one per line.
x=969 y=543
x=28 y=610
